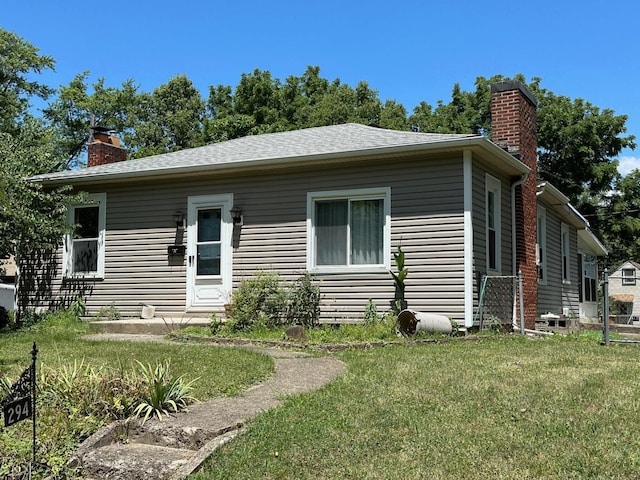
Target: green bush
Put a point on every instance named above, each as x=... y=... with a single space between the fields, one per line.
x=264 y=302
x=258 y=301
x=303 y=305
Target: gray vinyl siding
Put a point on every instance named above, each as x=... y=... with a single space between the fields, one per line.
x=426 y=219
x=554 y=294
x=479 y=215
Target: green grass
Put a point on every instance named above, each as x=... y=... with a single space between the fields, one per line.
x=506 y=408
x=216 y=371
x=222 y=371
x=384 y=329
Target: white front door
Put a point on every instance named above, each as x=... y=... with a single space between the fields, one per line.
x=209 y=262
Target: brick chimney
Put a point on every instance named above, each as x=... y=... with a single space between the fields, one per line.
x=513 y=126
x=104 y=147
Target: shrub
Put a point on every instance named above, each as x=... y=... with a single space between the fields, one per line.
x=303 y=306
x=258 y=301
x=399 y=303
x=263 y=302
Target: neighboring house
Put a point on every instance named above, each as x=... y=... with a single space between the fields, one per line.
x=7 y=278
x=7 y=270
x=624 y=292
x=181 y=230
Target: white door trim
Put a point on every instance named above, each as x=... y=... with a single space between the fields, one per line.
x=206 y=293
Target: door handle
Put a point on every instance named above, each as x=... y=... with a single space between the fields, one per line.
x=190 y=260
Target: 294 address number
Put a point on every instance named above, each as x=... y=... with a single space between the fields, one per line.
x=17 y=411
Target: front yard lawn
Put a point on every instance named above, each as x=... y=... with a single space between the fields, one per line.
x=499 y=407
x=219 y=372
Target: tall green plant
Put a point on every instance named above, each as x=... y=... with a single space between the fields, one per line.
x=165 y=394
x=303 y=306
x=399 y=303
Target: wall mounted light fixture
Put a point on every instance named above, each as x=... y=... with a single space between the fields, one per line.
x=178 y=219
x=236 y=215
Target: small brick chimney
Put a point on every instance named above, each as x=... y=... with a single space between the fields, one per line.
x=513 y=126
x=104 y=147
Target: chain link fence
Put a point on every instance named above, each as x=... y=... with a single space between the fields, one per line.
x=498 y=299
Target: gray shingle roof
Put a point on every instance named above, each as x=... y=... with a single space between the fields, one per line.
x=285 y=146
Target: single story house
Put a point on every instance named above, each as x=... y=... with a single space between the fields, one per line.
x=624 y=292
x=180 y=230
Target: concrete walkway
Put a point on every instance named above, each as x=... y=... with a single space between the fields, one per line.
x=176 y=446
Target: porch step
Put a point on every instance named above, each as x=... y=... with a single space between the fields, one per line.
x=134 y=461
x=152 y=326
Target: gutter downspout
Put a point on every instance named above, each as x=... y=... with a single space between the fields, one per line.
x=467 y=169
x=514 y=254
x=514 y=248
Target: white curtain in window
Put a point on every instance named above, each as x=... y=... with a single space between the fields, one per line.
x=367 y=226
x=331 y=232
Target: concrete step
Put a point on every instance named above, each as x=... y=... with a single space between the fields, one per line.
x=134 y=461
x=152 y=326
x=174 y=436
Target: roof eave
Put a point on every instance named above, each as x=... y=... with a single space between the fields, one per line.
x=509 y=162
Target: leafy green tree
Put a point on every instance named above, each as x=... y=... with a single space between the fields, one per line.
x=617 y=219
x=19 y=60
x=169 y=119
x=74 y=110
x=32 y=220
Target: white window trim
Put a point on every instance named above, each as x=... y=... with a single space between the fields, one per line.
x=492 y=184
x=589 y=261
x=383 y=193
x=565 y=250
x=541 y=244
x=629 y=279
x=99 y=199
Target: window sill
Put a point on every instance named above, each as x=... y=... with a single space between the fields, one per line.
x=348 y=270
x=77 y=277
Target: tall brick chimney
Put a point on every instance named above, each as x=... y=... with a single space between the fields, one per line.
x=513 y=126
x=104 y=147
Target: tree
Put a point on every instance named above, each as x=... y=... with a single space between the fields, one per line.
x=18 y=60
x=32 y=220
x=617 y=219
x=169 y=119
x=74 y=110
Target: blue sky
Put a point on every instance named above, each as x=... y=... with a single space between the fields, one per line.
x=408 y=51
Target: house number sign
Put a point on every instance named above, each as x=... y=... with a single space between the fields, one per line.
x=16 y=411
x=20 y=403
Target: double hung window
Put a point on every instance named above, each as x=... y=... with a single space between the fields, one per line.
x=565 y=248
x=628 y=276
x=541 y=246
x=493 y=223
x=83 y=249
